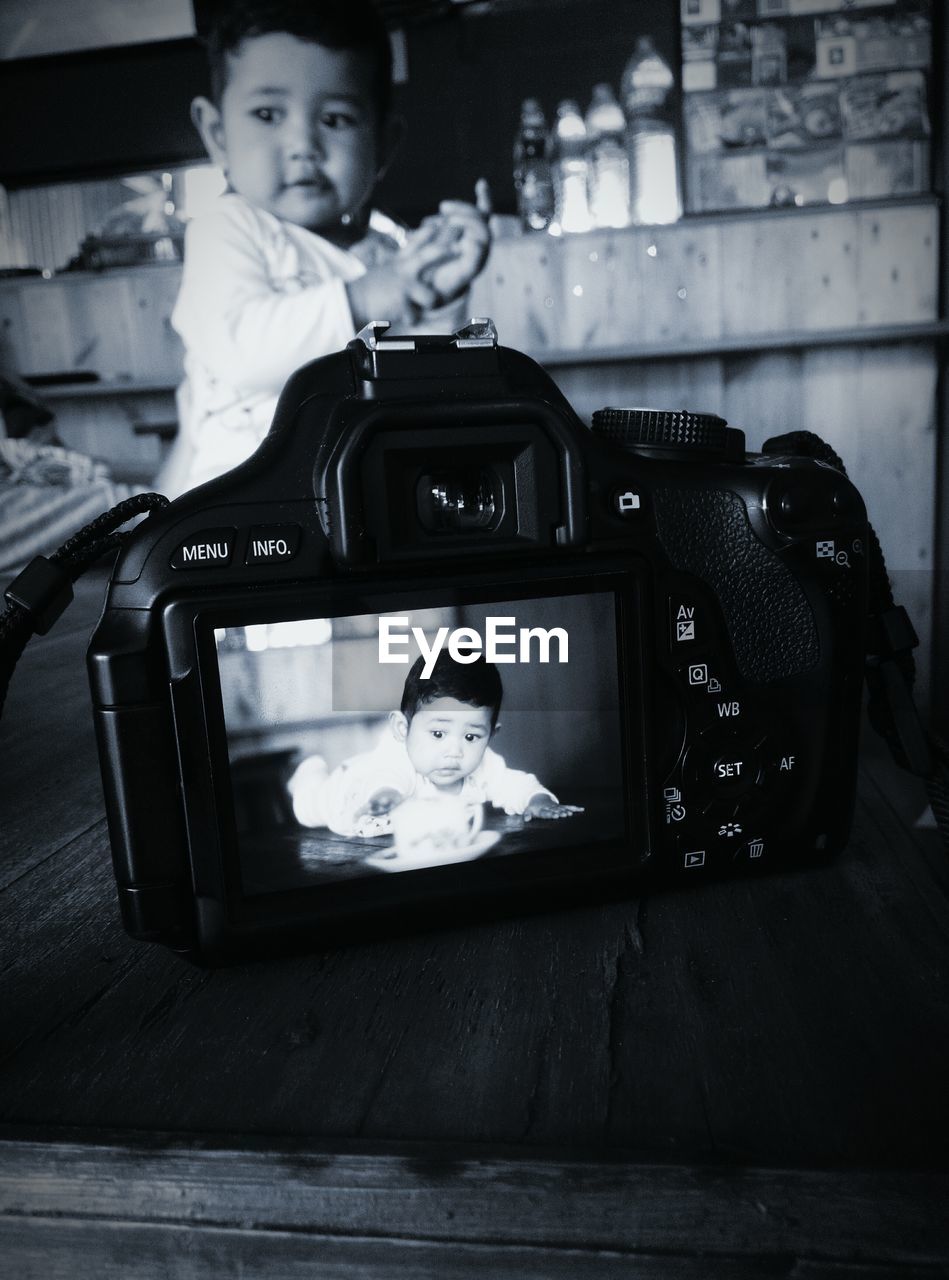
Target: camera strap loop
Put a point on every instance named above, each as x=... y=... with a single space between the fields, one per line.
x=890 y=667
x=38 y=595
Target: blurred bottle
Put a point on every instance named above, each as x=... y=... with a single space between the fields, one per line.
x=609 y=162
x=570 y=169
x=533 y=184
x=647 y=93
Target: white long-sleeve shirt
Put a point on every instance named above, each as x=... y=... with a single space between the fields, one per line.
x=335 y=800
x=259 y=298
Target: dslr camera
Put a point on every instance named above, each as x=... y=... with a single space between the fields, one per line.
x=439 y=647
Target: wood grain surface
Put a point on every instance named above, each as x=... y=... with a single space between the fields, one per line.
x=377 y=1213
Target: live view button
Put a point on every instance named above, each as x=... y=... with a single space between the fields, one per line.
x=272 y=544
x=207 y=549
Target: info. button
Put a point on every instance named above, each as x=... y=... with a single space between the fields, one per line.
x=272 y=544
x=207 y=549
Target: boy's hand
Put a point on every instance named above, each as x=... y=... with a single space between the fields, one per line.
x=543 y=806
x=395 y=290
x=437 y=263
x=462 y=231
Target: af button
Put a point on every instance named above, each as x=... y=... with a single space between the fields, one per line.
x=782 y=765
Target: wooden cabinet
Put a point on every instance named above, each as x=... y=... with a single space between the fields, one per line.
x=713 y=283
x=116 y=324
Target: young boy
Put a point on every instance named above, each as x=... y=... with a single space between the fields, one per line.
x=436 y=744
x=286 y=267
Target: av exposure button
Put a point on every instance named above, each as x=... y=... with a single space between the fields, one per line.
x=207 y=549
x=272 y=544
x=687 y=625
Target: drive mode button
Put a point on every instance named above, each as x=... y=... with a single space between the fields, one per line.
x=207 y=549
x=272 y=544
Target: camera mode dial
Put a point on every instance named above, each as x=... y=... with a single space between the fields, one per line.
x=657 y=429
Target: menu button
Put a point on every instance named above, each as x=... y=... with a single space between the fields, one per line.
x=207 y=549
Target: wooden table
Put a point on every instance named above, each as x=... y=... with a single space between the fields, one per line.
x=746 y=1080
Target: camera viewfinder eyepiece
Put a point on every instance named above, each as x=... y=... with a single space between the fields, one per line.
x=456 y=503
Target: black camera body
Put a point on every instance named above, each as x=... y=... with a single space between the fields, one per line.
x=700 y=715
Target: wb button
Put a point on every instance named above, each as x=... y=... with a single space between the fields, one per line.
x=272 y=544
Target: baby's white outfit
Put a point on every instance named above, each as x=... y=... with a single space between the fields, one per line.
x=334 y=800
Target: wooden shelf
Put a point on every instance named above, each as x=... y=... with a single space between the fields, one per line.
x=740 y=344
x=101 y=390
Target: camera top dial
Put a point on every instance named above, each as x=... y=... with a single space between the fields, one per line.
x=681 y=433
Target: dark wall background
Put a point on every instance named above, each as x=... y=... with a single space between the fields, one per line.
x=91 y=115
x=467 y=79
x=124 y=110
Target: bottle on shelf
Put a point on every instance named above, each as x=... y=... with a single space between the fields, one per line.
x=570 y=170
x=533 y=184
x=647 y=94
x=609 y=163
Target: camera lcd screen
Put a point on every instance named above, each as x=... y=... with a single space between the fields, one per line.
x=386 y=743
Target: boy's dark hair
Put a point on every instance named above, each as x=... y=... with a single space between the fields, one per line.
x=336 y=24
x=477 y=683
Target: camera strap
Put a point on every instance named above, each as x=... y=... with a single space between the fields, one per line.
x=38 y=595
x=890 y=669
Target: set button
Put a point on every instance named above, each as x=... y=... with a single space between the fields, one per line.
x=724 y=766
x=735 y=771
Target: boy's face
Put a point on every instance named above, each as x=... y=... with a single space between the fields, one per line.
x=297 y=131
x=445 y=740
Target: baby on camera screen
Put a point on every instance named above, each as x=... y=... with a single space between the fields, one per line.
x=363 y=744
x=436 y=744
